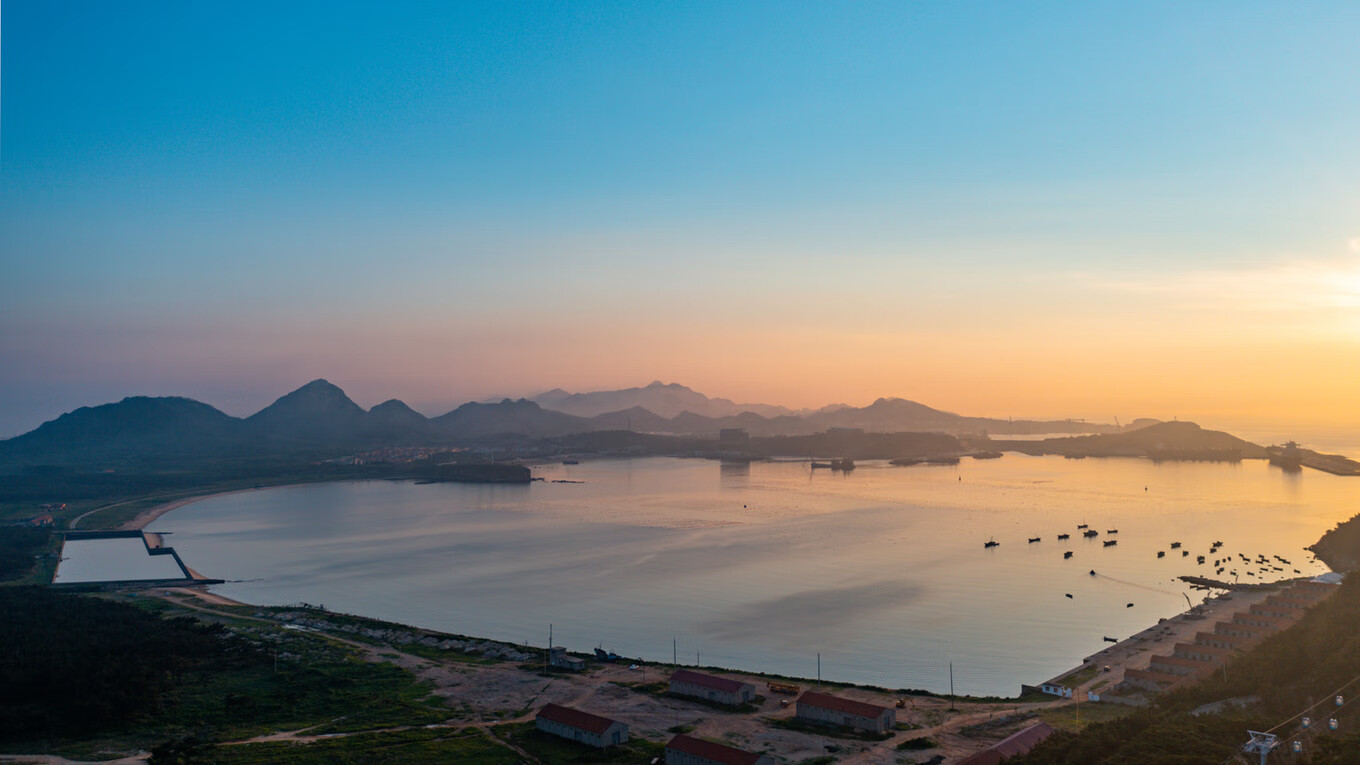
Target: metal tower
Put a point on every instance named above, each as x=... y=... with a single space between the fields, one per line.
x=1261 y=743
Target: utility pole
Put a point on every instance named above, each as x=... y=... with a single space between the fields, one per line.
x=951 y=687
x=548 y=652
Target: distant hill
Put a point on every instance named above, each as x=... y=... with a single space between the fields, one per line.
x=889 y=414
x=636 y=419
x=394 y=421
x=134 y=426
x=665 y=400
x=319 y=420
x=1172 y=439
x=318 y=412
x=522 y=417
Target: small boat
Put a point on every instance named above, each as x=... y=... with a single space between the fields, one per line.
x=1093 y=572
x=1081 y=525
x=1070 y=596
x=1199 y=559
x=1111 y=640
x=1067 y=555
x=1185 y=553
x=1175 y=545
x=1129 y=606
x=1032 y=540
x=1111 y=542
x=1112 y=531
x=1090 y=533
x=816 y=465
x=1064 y=536
x=1161 y=553
x=991 y=543
x=571 y=462
x=844 y=465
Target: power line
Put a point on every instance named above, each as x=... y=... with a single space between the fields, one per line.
x=1264 y=742
x=1326 y=699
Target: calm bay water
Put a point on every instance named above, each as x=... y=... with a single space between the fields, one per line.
x=762 y=567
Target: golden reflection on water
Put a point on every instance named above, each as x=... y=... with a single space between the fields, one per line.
x=882 y=570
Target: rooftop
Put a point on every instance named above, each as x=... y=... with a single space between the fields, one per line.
x=713 y=751
x=838 y=704
x=1023 y=741
x=575 y=718
x=707 y=681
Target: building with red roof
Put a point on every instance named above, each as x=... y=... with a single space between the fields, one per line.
x=583 y=727
x=1009 y=747
x=687 y=750
x=825 y=709
x=711 y=687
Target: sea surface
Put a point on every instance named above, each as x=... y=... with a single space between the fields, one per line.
x=882 y=571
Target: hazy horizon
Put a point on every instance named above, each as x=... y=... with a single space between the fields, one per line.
x=1039 y=211
x=1322 y=436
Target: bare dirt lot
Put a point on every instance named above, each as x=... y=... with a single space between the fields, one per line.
x=487 y=693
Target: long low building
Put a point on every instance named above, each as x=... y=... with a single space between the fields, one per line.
x=825 y=709
x=1188 y=662
x=687 y=750
x=711 y=687
x=1218 y=640
x=1012 y=746
x=583 y=727
x=1198 y=652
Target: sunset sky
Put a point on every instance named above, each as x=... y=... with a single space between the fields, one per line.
x=1028 y=209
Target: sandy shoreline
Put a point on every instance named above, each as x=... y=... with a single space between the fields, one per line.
x=151 y=514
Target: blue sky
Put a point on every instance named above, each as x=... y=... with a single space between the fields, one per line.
x=442 y=201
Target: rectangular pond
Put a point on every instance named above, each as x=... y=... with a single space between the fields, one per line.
x=112 y=560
